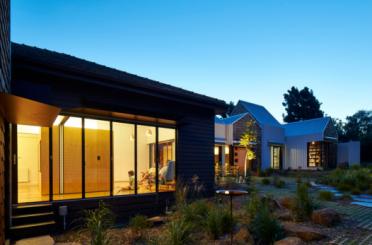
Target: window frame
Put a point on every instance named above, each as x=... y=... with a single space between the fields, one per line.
x=111 y=120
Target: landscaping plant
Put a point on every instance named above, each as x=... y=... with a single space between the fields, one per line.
x=138 y=223
x=303 y=206
x=264 y=227
x=218 y=222
x=325 y=195
x=178 y=232
x=277 y=182
x=97 y=222
x=253 y=204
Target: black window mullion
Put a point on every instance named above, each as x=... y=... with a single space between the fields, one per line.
x=111 y=162
x=157 y=159
x=135 y=160
x=83 y=156
x=50 y=164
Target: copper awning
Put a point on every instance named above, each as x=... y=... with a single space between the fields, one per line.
x=19 y=110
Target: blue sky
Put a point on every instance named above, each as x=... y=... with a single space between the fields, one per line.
x=250 y=50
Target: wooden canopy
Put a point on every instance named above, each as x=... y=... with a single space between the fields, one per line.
x=19 y=110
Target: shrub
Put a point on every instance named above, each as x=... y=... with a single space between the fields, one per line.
x=277 y=182
x=182 y=191
x=356 y=191
x=303 y=205
x=178 y=232
x=265 y=181
x=253 y=204
x=139 y=222
x=195 y=212
x=97 y=223
x=325 y=195
x=218 y=222
x=265 y=228
x=346 y=197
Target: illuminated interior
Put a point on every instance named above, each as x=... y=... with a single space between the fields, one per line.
x=72 y=137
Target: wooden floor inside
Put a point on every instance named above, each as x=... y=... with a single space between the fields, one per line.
x=32 y=193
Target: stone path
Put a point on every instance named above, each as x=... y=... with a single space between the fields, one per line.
x=343 y=240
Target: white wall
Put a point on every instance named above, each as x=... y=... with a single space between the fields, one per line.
x=296 y=150
x=348 y=153
x=270 y=134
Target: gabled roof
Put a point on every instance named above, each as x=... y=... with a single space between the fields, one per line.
x=307 y=127
x=260 y=113
x=106 y=76
x=230 y=119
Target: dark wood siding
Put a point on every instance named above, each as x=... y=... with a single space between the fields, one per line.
x=4 y=87
x=195 y=149
x=195 y=129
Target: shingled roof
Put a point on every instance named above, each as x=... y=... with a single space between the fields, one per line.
x=65 y=62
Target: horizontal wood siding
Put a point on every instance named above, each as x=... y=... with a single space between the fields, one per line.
x=195 y=150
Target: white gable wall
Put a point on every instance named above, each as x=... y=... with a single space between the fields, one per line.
x=270 y=134
x=296 y=150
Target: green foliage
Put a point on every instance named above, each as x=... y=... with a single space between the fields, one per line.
x=218 y=222
x=265 y=228
x=181 y=194
x=253 y=204
x=303 y=205
x=178 y=232
x=355 y=179
x=325 y=195
x=139 y=222
x=277 y=182
x=195 y=212
x=248 y=139
x=265 y=181
x=301 y=105
x=346 y=197
x=97 y=222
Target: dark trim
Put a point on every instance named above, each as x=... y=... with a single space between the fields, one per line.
x=119 y=120
x=14 y=163
x=83 y=157
x=111 y=162
x=157 y=159
x=50 y=164
x=135 y=160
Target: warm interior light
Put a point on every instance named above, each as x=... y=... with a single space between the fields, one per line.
x=216 y=150
x=58 y=120
x=26 y=129
x=148 y=133
x=227 y=149
x=313 y=143
x=74 y=122
x=131 y=138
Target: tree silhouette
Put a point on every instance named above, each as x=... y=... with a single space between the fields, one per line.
x=301 y=105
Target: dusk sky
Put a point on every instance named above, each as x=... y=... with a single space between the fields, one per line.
x=231 y=50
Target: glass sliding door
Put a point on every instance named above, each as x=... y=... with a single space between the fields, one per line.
x=123 y=153
x=167 y=159
x=97 y=158
x=67 y=158
x=146 y=162
x=33 y=163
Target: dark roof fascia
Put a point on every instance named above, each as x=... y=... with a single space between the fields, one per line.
x=218 y=106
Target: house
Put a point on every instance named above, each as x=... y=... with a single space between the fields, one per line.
x=80 y=132
x=309 y=144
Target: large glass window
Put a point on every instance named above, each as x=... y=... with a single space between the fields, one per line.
x=97 y=158
x=314 y=154
x=136 y=153
x=275 y=157
x=123 y=153
x=146 y=162
x=167 y=159
x=67 y=158
x=33 y=163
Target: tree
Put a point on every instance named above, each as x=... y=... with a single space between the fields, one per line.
x=247 y=140
x=301 y=105
x=359 y=126
x=339 y=126
x=230 y=108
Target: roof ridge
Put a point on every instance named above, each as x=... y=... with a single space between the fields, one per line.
x=165 y=86
x=307 y=120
